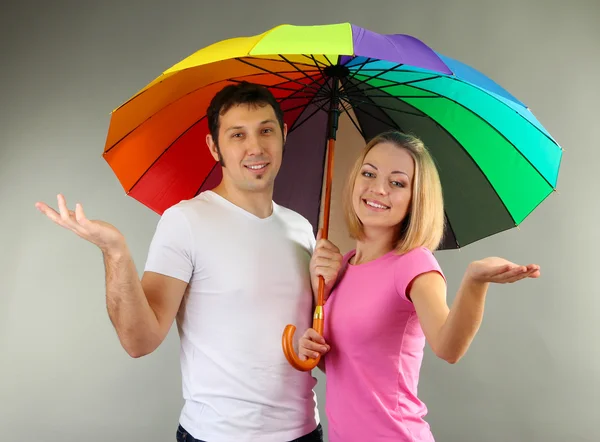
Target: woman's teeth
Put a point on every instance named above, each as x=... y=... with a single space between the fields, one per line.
x=377 y=206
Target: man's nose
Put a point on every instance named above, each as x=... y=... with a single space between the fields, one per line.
x=254 y=146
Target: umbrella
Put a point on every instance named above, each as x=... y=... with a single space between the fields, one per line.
x=496 y=161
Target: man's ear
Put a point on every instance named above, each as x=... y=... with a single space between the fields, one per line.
x=284 y=132
x=212 y=147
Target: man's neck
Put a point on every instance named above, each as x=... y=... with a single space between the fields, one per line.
x=260 y=204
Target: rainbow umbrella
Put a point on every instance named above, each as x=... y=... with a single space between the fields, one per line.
x=496 y=161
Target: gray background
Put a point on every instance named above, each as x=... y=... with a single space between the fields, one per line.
x=532 y=372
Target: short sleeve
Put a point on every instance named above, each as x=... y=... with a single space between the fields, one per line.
x=170 y=251
x=413 y=264
x=311 y=239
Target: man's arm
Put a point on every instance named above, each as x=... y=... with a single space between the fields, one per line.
x=142 y=312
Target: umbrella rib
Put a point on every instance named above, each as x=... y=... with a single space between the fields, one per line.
x=165 y=150
x=451 y=229
x=328 y=60
x=270 y=72
x=276 y=86
x=311 y=57
x=360 y=66
x=403 y=96
x=206 y=178
x=391 y=121
x=320 y=107
x=311 y=97
x=302 y=105
x=485 y=91
x=314 y=79
x=356 y=125
x=168 y=147
x=436 y=95
x=171 y=144
x=466 y=153
x=354 y=100
x=359 y=82
x=494 y=129
x=316 y=65
x=274 y=60
x=298 y=69
x=172 y=102
x=395 y=83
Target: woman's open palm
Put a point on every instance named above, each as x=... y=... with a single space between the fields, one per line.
x=500 y=271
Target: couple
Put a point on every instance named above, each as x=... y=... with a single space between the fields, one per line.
x=233 y=268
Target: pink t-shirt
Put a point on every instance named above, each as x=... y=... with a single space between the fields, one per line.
x=376 y=351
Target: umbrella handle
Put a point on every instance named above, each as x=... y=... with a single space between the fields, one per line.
x=288 y=336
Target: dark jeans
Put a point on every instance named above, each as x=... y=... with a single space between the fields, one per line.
x=314 y=436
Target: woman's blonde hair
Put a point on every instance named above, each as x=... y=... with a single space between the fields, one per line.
x=423 y=225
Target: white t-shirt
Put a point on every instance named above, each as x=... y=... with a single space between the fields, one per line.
x=248 y=278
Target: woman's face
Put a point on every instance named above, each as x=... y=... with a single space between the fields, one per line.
x=383 y=188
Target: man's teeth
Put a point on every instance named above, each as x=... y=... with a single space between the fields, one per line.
x=378 y=206
x=260 y=166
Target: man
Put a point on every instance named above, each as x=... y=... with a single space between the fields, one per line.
x=233 y=268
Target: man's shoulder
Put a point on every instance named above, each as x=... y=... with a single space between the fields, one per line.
x=294 y=218
x=200 y=203
x=188 y=215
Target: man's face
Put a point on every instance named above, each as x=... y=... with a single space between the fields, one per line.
x=251 y=145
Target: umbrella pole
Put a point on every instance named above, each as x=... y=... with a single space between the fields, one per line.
x=318 y=317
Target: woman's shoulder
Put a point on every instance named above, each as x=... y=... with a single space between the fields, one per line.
x=417 y=259
x=417 y=253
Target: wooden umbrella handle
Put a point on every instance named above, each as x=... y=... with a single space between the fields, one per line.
x=288 y=336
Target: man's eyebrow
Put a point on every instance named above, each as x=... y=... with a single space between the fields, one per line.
x=242 y=127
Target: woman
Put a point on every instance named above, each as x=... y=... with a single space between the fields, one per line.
x=391 y=296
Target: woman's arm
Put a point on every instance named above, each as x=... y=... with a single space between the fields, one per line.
x=450 y=331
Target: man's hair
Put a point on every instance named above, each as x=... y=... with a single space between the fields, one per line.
x=236 y=94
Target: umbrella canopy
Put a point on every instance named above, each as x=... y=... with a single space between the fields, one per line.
x=494 y=157
x=497 y=163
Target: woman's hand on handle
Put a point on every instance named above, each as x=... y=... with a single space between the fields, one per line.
x=326 y=262
x=312 y=345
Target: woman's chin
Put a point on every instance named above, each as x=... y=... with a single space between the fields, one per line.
x=379 y=227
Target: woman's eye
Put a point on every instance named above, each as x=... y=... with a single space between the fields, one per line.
x=368 y=174
x=397 y=184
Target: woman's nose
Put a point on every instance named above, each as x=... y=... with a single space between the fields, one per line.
x=379 y=187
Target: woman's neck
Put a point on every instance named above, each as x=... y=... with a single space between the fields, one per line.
x=372 y=247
